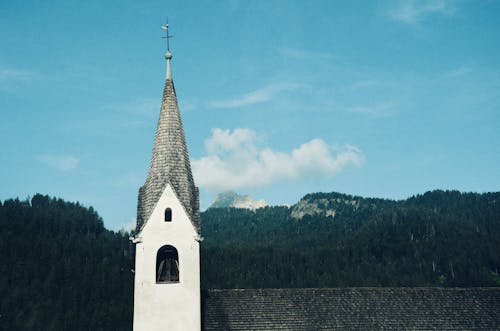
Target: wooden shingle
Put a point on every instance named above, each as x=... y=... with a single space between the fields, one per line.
x=352 y=309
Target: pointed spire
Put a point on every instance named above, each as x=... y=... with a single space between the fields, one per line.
x=169 y=161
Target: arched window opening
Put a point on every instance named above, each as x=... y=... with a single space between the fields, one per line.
x=168 y=215
x=167 y=265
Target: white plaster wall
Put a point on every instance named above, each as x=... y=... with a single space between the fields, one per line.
x=171 y=306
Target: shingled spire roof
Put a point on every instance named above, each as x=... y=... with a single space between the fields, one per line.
x=169 y=161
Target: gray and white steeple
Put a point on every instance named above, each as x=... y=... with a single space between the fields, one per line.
x=167 y=255
x=169 y=161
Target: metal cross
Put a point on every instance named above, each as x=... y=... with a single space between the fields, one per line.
x=168 y=36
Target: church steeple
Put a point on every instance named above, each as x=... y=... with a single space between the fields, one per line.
x=167 y=255
x=170 y=160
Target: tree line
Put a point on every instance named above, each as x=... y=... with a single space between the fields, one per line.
x=440 y=238
x=63 y=270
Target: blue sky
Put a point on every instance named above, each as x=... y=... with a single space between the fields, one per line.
x=279 y=98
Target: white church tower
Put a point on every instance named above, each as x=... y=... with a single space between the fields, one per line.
x=167 y=260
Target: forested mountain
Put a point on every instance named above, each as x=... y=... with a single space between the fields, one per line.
x=440 y=238
x=62 y=270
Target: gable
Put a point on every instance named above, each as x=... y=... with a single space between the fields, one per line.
x=178 y=228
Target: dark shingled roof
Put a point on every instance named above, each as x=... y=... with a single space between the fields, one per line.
x=169 y=164
x=352 y=309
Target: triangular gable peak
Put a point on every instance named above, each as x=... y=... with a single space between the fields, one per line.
x=169 y=161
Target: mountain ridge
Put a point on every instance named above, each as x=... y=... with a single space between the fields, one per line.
x=439 y=238
x=231 y=199
x=62 y=269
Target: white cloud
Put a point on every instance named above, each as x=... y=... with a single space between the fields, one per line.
x=144 y=107
x=376 y=110
x=235 y=160
x=362 y=84
x=225 y=140
x=258 y=96
x=460 y=71
x=413 y=11
x=59 y=162
x=14 y=74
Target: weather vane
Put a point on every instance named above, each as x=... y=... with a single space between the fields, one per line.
x=168 y=36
